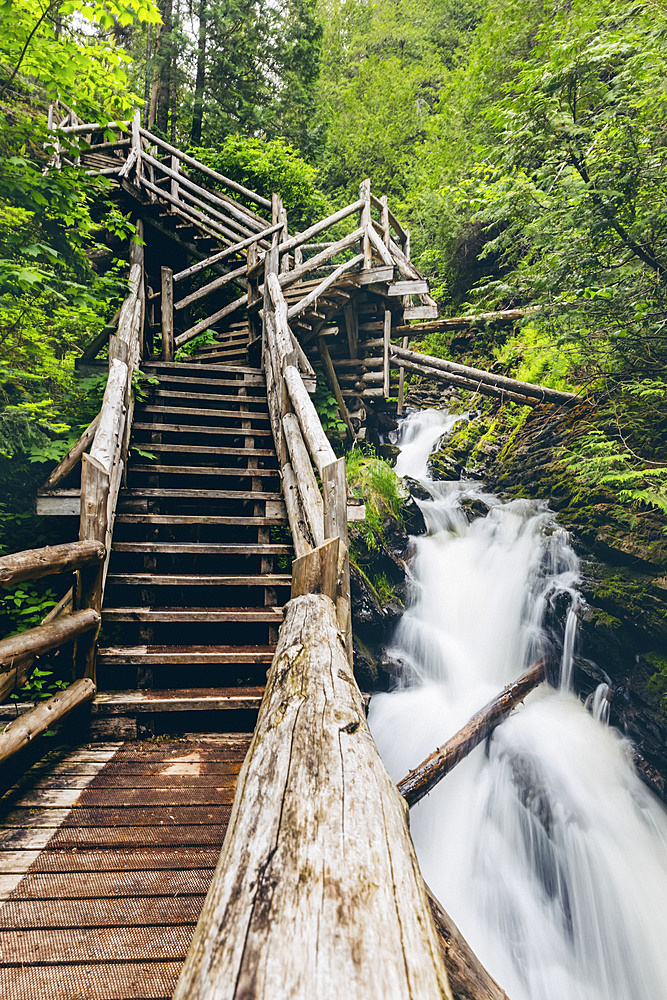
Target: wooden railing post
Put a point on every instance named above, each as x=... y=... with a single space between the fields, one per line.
x=386 y=343
x=401 y=382
x=365 y=222
x=167 y=308
x=385 y=220
x=175 y=186
x=334 y=488
x=136 y=145
x=253 y=292
x=95 y=484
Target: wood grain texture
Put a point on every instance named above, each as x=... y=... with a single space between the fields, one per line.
x=317 y=892
x=33 y=564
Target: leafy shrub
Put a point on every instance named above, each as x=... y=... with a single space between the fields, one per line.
x=268 y=165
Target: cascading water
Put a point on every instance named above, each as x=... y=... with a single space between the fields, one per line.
x=544 y=846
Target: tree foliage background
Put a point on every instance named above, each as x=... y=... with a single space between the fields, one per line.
x=522 y=140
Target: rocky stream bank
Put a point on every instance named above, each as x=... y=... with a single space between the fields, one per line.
x=623 y=619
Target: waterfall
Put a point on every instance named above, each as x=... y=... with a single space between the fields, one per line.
x=544 y=845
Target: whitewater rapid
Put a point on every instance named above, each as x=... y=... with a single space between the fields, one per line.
x=544 y=846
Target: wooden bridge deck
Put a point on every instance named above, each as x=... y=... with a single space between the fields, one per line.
x=106 y=854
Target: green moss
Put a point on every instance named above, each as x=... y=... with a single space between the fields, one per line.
x=384 y=494
x=658 y=681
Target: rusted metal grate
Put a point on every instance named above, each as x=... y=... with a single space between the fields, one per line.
x=108 y=909
x=141 y=836
x=209 y=795
x=127 y=981
x=75 y=913
x=135 y=816
x=96 y=944
x=124 y=860
x=98 y=885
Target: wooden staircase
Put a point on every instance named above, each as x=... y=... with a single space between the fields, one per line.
x=201 y=558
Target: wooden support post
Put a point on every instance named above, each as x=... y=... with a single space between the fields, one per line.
x=366 y=222
x=419 y=782
x=253 y=292
x=401 y=382
x=352 y=327
x=386 y=343
x=385 y=220
x=136 y=146
x=317 y=850
x=175 y=186
x=317 y=571
x=95 y=484
x=334 y=489
x=405 y=244
x=167 y=307
x=332 y=379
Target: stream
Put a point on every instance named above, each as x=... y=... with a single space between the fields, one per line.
x=544 y=846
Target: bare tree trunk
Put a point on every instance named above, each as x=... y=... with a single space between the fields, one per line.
x=164 y=64
x=200 y=81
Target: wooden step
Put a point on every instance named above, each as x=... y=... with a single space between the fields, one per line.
x=173 y=366
x=200 y=580
x=194 y=411
x=205 y=548
x=209 y=397
x=196 y=519
x=248 y=382
x=187 y=494
x=203 y=470
x=142 y=425
x=152 y=655
x=202 y=449
x=272 y=615
x=177 y=700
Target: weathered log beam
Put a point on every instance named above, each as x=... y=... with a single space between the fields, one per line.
x=311 y=498
x=318 y=444
x=33 y=564
x=540 y=393
x=334 y=385
x=317 y=850
x=470 y=385
x=312 y=297
x=14 y=678
x=31 y=724
x=463 y=322
x=42 y=638
x=419 y=782
x=468 y=978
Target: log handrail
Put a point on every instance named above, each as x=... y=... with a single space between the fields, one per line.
x=216 y=258
x=192 y=162
x=33 y=564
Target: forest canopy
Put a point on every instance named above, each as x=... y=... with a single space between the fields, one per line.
x=522 y=142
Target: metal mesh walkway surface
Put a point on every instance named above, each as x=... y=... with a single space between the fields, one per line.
x=104 y=867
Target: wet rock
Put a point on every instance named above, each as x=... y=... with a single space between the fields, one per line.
x=474 y=507
x=416 y=489
x=389 y=452
x=444 y=467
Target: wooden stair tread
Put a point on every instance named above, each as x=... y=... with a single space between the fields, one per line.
x=211 y=397
x=203 y=470
x=168 y=493
x=194 y=411
x=220 y=519
x=201 y=579
x=212 y=449
x=192 y=655
x=176 y=699
x=203 y=429
x=211 y=548
x=243 y=614
x=258 y=382
x=147 y=366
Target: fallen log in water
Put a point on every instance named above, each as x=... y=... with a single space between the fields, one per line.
x=317 y=893
x=468 y=978
x=419 y=782
x=487 y=383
